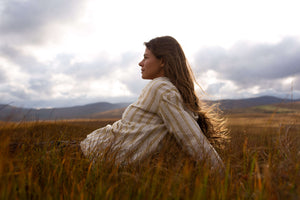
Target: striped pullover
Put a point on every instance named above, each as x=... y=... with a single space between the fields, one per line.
x=144 y=124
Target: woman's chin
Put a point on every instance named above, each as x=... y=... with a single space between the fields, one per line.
x=144 y=76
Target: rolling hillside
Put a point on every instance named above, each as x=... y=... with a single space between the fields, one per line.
x=289 y=107
x=108 y=110
x=229 y=104
x=10 y=113
x=262 y=105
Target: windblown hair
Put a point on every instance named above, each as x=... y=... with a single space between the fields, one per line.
x=178 y=70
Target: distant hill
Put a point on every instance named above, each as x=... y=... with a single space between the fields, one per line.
x=288 y=107
x=263 y=104
x=108 y=110
x=11 y=113
x=229 y=104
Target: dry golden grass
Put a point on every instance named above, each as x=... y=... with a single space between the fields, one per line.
x=262 y=162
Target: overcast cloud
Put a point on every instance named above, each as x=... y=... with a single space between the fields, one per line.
x=35 y=21
x=270 y=68
x=58 y=53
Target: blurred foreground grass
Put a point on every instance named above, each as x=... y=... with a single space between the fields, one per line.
x=262 y=162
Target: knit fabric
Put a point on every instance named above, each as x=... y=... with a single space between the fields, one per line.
x=159 y=110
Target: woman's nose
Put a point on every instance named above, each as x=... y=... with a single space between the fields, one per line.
x=141 y=63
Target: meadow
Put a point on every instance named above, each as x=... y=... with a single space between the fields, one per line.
x=262 y=162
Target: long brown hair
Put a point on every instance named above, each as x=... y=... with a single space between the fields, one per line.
x=178 y=70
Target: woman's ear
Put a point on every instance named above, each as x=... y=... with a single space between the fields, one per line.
x=162 y=62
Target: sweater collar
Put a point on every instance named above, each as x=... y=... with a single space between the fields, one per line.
x=162 y=78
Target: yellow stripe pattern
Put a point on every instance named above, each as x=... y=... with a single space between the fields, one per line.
x=144 y=124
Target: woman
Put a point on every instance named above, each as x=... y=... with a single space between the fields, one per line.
x=168 y=105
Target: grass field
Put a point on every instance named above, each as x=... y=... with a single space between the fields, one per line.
x=262 y=162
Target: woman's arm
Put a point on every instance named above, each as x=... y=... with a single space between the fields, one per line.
x=186 y=130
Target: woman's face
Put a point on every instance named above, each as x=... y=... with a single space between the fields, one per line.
x=152 y=67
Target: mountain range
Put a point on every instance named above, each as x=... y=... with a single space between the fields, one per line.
x=11 y=113
x=109 y=110
x=229 y=104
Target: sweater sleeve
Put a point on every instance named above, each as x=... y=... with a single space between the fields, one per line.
x=184 y=127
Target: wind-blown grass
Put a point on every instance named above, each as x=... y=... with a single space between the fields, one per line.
x=262 y=162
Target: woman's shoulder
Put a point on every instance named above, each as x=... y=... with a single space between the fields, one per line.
x=161 y=84
x=161 y=87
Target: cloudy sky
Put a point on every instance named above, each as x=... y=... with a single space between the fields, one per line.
x=73 y=52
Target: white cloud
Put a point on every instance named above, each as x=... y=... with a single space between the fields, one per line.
x=253 y=69
x=33 y=21
x=67 y=52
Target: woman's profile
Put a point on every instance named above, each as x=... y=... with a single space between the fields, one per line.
x=168 y=105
